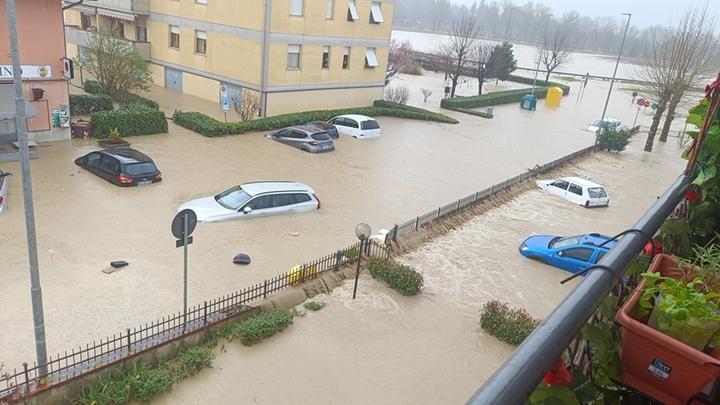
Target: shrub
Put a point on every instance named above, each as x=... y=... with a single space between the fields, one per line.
x=412 y=69
x=93 y=87
x=314 y=305
x=263 y=325
x=511 y=325
x=398 y=93
x=138 y=384
x=193 y=359
x=208 y=126
x=474 y=112
x=81 y=104
x=402 y=278
x=132 y=120
x=611 y=139
x=495 y=98
x=127 y=98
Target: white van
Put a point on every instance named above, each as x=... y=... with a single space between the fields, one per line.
x=357 y=126
x=577 y=190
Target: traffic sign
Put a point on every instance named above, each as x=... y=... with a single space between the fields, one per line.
x=177 y=226
x=647 y=103
x=641 y=102
x=224 y=100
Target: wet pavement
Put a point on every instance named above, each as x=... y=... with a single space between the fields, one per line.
x=383 y=348
x=83 y=222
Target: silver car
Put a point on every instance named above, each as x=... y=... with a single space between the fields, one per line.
x=304 y=137
x=4 y=185
x=252 y=200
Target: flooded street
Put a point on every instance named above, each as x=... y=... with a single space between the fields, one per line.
x=83 y=222
x=383 y=348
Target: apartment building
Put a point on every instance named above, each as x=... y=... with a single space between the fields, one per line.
x=45 y=80
x=296 y=55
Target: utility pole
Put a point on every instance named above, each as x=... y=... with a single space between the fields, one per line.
x=21 y=125
x=537 y=68
x=617 y=62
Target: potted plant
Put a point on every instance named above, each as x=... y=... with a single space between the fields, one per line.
x=113 y=140
x=667 y=323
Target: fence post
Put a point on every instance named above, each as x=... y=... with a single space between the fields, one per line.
x=417 y=220
x=128 y=341
x=458 y=205
x=492 y=189
x=27 y=376
x=302 y=273
x=265 y=289
x=205 y=312
x=438 y=214
x=506 y=184
x=395 y=232
x=476 y=196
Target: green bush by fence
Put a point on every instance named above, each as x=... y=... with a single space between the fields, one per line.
x=511 y=325
x=402 y=278
x=211 y=127
x=495 y=98
x=93 y=87
x=124 y=97
x=81 y=104
x=131 y=120
x=263 y=325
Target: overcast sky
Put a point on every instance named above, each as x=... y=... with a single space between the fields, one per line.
x=644 y=12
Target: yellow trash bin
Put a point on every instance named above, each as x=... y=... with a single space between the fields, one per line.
x=554 y=96
x=295 y=275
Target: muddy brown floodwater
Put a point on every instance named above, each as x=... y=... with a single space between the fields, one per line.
x=83 y=222
x=387 y=349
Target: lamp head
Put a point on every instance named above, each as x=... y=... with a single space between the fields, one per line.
x=363 y=231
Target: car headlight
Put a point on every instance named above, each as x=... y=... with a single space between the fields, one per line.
x=523 y=247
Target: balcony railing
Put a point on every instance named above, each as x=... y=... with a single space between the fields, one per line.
x=76 y=35
x=136 y=7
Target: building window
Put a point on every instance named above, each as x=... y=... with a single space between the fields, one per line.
x=352 y=11
x=370 y=58
x=201 y=42
x=117 y=28
x=376 y=16
x=85 y=21
x=174 y=36
x=330 y=9
x=296 y=7
x=141 y=33
x=346 y=58
x=326 y=57
x=293 y=57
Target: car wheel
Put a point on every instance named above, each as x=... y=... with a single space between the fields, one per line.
x=587 y=204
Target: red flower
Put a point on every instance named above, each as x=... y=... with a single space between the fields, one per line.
x=692 y=194
x=652 y=248
x=558 y=374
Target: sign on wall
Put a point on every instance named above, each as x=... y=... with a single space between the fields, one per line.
x=28 y=72
x=224 y=101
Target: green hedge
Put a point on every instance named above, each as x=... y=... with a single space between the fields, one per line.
x=402 y=278
x=124 y=97
x=495 y=98
x=132 y=120
x=81 y=104
x=211 y=127
x=511 y=325
x=263 y=325
x=482 y=114
x=529 y=80
x=93 y=87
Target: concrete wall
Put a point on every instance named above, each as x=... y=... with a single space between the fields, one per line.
x=295 y=101
x=238 y=13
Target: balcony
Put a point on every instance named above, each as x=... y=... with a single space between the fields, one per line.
x=131 y=7
x=76 y=35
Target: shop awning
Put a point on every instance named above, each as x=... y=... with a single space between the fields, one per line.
x=116 y=14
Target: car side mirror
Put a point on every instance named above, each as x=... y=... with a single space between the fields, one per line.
x=247 y=210
x=560 y=253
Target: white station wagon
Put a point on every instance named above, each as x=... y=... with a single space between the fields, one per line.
x=357 y=126
x=252 y=200
x=577 y=190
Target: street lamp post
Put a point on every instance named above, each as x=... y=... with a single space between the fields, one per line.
x=21 y=126
x=362 y=231
x=617 y=63
x=537 y=68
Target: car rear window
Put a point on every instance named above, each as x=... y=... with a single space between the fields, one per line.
x=138 y=169
x=597 y=192
x=321 y=136
x=370 y=124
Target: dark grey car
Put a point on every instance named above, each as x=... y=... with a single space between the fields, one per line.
x=304 y=137
x=327 y=127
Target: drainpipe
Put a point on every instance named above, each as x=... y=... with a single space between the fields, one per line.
x=265 y=58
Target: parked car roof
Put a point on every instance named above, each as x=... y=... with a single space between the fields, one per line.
x=357 y=117
x=127 y=155
x=311 y=129
x=321 y=124
x=259 y=187
x=581 y=182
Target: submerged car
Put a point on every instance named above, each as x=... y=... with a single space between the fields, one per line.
x=357 y=126
x=304 y=137
x=613 y=122
x=578 y=190
x=4 y=186
x=572 y=253
x=327 y=127
x=252 y=200
x=123 y=167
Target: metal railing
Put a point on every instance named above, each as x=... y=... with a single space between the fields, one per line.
x=415 y=224
x=105 y=352
x=513 y=382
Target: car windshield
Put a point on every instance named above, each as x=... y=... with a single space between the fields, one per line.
x=597 y=192
x=233 y=198
x=321 y=136
x=562 y=242
x=138 y=169
x=370 y=124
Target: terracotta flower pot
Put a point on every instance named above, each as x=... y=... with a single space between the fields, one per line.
x=656 y=364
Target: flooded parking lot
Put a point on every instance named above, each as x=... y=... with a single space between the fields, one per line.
x=84 y=223
x=386 y=349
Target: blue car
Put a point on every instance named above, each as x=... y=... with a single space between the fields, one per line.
x=572 y=253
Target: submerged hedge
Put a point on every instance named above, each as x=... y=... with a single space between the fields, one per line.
x=263 y=325
x=81 y=104
x=402 y=278
x=511 y=325
x=208 y=126
x=124 y=97
x=135 y=119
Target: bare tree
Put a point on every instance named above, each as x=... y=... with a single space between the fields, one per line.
x=675 y=59
x=481 y=54
x=556 y=50
x=249 y=105
x=426 y=94
x=455 y=53
x=401 y=55
x=398 y=93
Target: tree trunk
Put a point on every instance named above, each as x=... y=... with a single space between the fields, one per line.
x=669 y=118
x=481 y=79
x=547 y=77
x=454 y=85
x=655 y=123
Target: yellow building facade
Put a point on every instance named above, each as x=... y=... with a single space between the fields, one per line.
x=296 y=55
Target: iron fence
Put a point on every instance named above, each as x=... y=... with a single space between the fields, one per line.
x=105 y=352
x=413 y=225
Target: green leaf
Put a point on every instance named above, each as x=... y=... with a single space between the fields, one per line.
x=696 y=119
x=704 y=175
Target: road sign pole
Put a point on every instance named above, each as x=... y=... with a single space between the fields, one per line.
x=185 y=243
x=636 y=115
